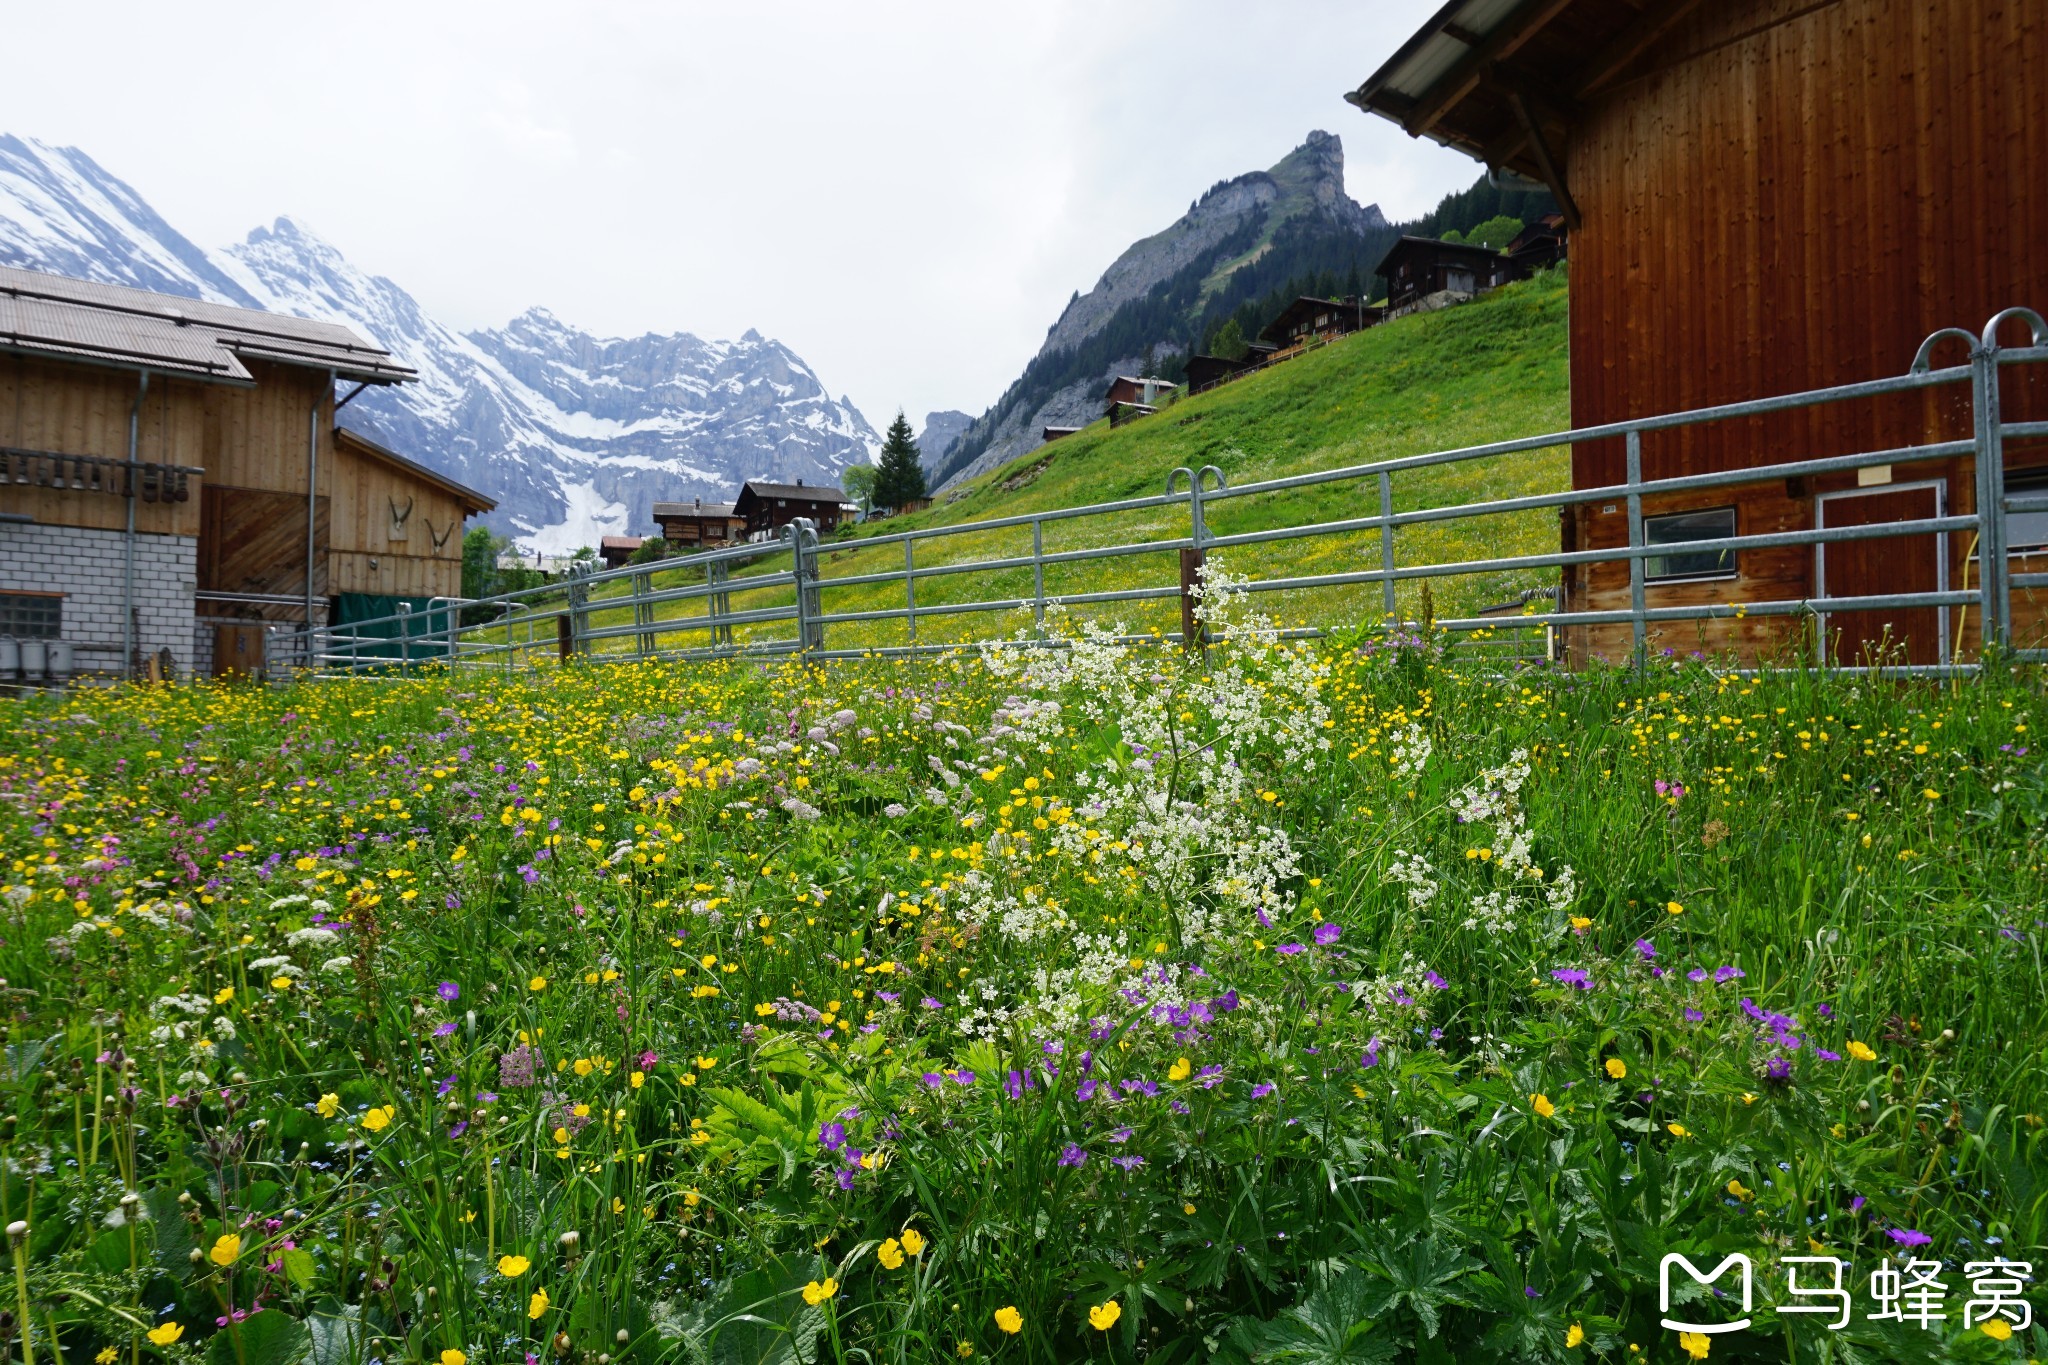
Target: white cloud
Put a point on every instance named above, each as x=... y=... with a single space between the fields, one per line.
x=905 y=194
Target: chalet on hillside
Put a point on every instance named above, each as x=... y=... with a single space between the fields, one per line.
x=173 y=481
x=1207 y=371
x=767 y=507
x=698 y=524
x=1423 y=272
x=1057 y=433
x=1131 y=389
x=1538 y=246
x=1765 y=197
x=1310 y=319
x=616 y=550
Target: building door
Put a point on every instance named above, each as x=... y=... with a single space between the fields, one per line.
x=1885 y=564
x=237 y=651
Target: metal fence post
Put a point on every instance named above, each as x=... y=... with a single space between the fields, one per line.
x=1637 y=566
x=803 y=543
x=910 y=591
x=1037 y=574
x=720 y=604
x=1387 y=545
x=1990 y=459
x=643 y=611
x=579 y=610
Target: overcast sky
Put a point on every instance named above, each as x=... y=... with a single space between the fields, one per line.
x=905 y=194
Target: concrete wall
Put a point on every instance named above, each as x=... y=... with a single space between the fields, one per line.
x=88 y=567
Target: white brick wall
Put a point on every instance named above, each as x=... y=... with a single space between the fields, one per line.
x=89 y=568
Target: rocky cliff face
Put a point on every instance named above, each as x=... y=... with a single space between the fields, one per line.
x=1231 y=243
x=575 y=435
x=941 y=433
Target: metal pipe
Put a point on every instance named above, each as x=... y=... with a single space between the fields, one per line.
x=128 y=641
x=313 y=495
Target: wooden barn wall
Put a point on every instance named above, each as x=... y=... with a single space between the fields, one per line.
x=83 y=410
x=256 y=438
x=1793 y=196
x=419 y=554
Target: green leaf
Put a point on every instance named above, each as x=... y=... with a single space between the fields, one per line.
x=266 y=1338
x=299 y=1267
x=337 y=1339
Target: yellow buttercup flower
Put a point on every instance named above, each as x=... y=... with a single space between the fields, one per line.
x=1862 y=1052
x=539 y=983
x=913 y=1241
x=1012 y=1322
x=1180 y=1070
x=451 y=1356
x=1695 y=1344
x=1574 y=1335
x=1617 y=1068
x=1673 y=908
x=1542 y=1105
x=1677 y=1130
x=512 y=1267
x=223 y=995
x=1741 y=1191
x=1103 y=1316
x=166 y=1334
x=538 y=1304
x=328 y=1105
x=816 y=1292
x=890 y=1254
x=225 y=1249
x=377 y=1120
x=1998 y=1329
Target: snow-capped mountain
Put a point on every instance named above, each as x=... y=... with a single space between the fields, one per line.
x=575 y=435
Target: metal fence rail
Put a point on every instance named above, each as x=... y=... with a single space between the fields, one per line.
x=770 y=598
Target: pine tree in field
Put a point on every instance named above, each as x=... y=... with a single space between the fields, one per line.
x=898 y=476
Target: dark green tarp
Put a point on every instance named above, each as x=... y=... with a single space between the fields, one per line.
x=406 y=634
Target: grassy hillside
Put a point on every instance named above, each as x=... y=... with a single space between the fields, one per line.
x=1488 y=370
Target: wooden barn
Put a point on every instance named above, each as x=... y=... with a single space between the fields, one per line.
x=173 y=484
x=1422 y=272
x=767 y=507
x=698 y=524
x=1310 y=319
x=616 y=551
x=1765 y=197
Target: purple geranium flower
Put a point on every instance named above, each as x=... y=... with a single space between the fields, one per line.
x=1573 y=977
x=1326 y=934
x=1072 y=1155
x=448 y=991
x=1907 y=1237
x=1646 y=948
x=1435 y=982
x=832 y=1136
x=1262 y=1089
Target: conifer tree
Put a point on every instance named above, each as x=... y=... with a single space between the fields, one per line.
x=899 y=478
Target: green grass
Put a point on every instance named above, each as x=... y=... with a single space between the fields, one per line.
x=697 y=990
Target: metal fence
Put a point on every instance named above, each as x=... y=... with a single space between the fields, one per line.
x=777 y=597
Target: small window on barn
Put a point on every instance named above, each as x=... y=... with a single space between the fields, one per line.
x=2026 y=531
x=1712 y=523
x=32 y=615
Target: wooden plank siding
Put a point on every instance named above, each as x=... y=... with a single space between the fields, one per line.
x=84 y=410
x=1783 y=196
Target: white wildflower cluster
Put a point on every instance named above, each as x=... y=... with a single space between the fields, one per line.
x=1411 y=747
x=1495 y=797
x=1413 y=871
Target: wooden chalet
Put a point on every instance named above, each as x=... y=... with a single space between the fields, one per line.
x=1765 y=197
x=1308 y=320
x=697 y=524
x=1057 y=433
x=1207 y=371
x=173 y=482
x=615 y=551
x=1538 y=246
x=1422 y=272
x=767 y=507
x=1131 y=389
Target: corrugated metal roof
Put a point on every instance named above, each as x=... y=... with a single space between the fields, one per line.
x=115 y=325
x=1436 y=48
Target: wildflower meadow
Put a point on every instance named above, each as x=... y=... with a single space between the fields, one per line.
x=1344 y=1001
